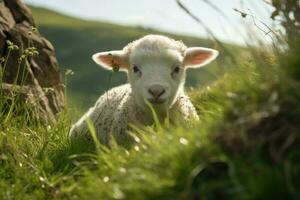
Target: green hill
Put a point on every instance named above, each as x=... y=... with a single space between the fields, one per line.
x=75 y=40
x=246 y=145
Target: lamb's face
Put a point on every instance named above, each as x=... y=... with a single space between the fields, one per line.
x=156 y=67
x=156 y=76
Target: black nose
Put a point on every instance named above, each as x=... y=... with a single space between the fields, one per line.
x=156 y=91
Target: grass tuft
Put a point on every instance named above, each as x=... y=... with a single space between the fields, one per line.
x=245 y=146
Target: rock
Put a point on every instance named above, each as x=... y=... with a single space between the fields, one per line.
x=40 y=73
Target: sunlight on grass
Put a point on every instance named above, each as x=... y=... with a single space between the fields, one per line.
x=245 y=146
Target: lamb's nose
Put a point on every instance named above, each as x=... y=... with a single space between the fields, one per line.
x=156 y=91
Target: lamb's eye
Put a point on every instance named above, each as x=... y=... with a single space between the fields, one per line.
x=136 y=69
x=176 y=70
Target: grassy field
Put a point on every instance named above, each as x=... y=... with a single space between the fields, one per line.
x=77 y=40
x=246 y=145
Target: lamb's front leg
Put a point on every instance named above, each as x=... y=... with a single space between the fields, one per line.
x=184 y=110
x=80 y=128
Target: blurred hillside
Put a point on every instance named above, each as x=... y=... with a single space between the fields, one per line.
x=76 y=40
x=246 y=145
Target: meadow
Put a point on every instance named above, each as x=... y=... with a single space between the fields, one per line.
x=76 y=40
x=245 y=146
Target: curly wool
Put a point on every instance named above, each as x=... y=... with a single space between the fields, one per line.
x=116 y=110
x=156 y=43
x=155 y=67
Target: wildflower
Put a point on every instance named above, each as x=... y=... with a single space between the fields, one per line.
x=105 y=179
x=137 y=139
x=33 y=29
x=11 y=45
x=183 y=141
x=69 y=72
x=137 y=148
x=48 y=90
x=2 y=60
x=122 y=170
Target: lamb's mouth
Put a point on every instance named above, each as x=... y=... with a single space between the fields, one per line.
x=157 y=101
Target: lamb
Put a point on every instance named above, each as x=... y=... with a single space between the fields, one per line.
x=156 y=68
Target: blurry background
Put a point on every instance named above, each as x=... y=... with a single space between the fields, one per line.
x=80 y=28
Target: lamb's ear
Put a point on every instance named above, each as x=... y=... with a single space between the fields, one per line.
x=111 y=59
x=199 y=56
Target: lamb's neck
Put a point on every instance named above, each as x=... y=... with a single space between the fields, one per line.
x=145 y=115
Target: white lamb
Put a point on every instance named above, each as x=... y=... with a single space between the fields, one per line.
x=156 y=67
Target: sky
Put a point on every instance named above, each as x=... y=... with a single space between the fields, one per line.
x=166 y=15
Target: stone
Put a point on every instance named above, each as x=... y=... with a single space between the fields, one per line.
x=40 y=73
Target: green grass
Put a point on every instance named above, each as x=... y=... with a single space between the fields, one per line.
x=232 y=153
x=76 y=40
x=246 y=146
